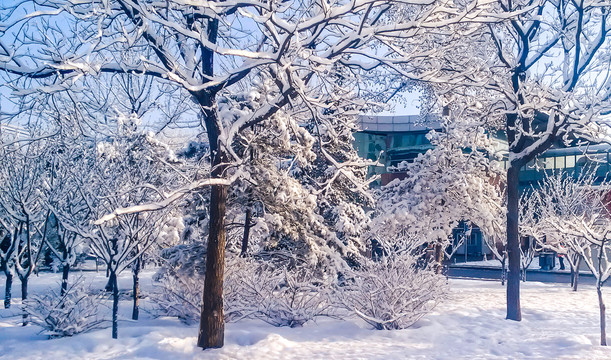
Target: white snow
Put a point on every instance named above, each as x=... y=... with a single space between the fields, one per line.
x=557 y=324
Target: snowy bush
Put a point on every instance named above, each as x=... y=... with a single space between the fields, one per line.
x=276 y=296
x=65 y=315
x=393 y=293
x=180 y=296
x=252 y=290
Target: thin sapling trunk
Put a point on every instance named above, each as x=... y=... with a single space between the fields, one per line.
x=136 y=277
x=115 y=305
x=244 y=249
x=8 y=290
x=24 y=297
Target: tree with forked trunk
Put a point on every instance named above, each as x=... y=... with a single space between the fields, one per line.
x=538 y=80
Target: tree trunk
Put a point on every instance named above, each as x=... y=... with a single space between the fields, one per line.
x=212 y=326
x=576 y=275
x=115 y=305
x=24 y=297
x=503 y=271
x=603 y=330
x=513 y=245
x=65 y=272
x=136 y=277
x=439 y=257
x=111 y=281
x=8 y=290
x=244 y=250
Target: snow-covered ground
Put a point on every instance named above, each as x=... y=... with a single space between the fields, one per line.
x=557 y=324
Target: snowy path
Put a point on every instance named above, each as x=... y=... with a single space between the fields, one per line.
x=558 y=324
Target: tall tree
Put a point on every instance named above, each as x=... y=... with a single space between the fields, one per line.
x=541 y=77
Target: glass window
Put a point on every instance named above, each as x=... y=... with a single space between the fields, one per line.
x=548 y=163
x=410 y=140
x=397 y=141
x=559 y=162
x=570 y=161
x=420 y=139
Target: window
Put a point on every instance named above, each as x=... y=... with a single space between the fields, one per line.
x=570 y=161
x=559 y=162
x=397 y=141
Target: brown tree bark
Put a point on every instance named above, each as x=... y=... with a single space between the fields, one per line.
x=212 y=325
x=513 y=245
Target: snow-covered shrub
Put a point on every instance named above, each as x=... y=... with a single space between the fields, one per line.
x=277 y=296
x=252 y=290
x=65 y=315
x=180 y=296
x=392 y=293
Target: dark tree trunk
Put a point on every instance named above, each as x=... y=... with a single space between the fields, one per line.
x=603 y=321
x=111 y=281
x=503 y=270
x=244 y=250
x=513 y=245
x=115 y=305
x=212 y=326
x=136 y=277
x=65 y=272
x=8 y=290
x=24 y=297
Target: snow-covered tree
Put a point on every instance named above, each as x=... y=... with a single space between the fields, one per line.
x=577 y=213
x=125 y=170
x=456 y=181
x=22 y=215
x=540 y=77
x=63 y=199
